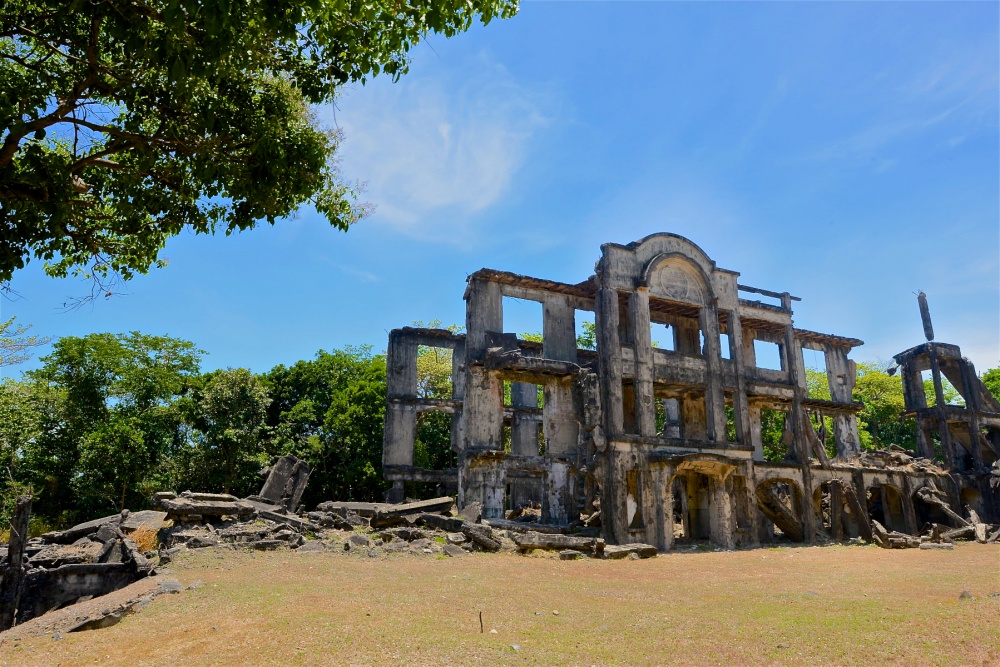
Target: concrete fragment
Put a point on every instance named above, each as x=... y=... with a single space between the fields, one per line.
x=616 y=552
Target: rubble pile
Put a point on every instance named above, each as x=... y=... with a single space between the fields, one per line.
x=934 y=536
x=896 y=457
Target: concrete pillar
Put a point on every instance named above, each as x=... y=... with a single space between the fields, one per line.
x=721 y=515
x=741 y=408
x=524 y=442
x=694 y=423
x=558 y=496
x=458 y=378
x=672 y=425
x=660 y=523
x=715 y=400
x=687 y=336
x=400 y=431
x=840 y=374
x=756 y=439
x=644 y=401
x=609 y=355
x=483 y=403
x=947 y=446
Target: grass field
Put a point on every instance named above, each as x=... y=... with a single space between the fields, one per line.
x=834 y=605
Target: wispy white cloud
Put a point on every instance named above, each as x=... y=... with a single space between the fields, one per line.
x=451 y=143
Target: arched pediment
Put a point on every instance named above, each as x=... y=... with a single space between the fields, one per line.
x=675 y=277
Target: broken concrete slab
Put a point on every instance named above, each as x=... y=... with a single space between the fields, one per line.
x=473 y=512
x=70 y=535
x=616 y=552
x=286 y=482
x=64 y=554
x=532 y=540
x=220 y=505
x=453 y=551
x=393 y=515
x=148 y=519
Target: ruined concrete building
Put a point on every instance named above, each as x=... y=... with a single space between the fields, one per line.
x=667 y=440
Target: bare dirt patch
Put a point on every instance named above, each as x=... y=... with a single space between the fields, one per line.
x=790 y=606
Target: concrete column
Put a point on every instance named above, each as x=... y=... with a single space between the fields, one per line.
x=715 y=400
x=836 y=512
x=694 y=422
x=687 y=337
x=524 y=442
x=400 y=431
x=741 y=408
x=482 y=409
x=558 y=496
x=458 y=378
x=755 y=433
x=644 y=401
x=672 y=426
x=558 y=329
x=947 y=446
x=721 y=516
x=609 y=356
x=660 y=522
x=749 y=353
x=483 y=404
x=840 y=374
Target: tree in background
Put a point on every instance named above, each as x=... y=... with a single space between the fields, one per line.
x=330 y=412
x=110 y=415
x=991 y=379
x=124 y=122
x=880 y=423
x=228 y=448
x=15 y=344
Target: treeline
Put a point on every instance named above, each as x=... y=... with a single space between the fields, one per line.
x=107 y=420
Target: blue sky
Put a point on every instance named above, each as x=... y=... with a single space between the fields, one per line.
x=845 y=152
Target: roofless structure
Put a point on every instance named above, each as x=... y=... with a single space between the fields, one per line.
x=666 y=440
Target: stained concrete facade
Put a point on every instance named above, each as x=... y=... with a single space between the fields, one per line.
x=665 y=440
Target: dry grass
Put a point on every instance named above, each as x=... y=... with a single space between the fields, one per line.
x=146 y=538
x=789 y=606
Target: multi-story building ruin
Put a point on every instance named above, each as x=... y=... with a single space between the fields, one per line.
x=667 y=440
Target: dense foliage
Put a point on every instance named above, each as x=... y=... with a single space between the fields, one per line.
x=125 y=122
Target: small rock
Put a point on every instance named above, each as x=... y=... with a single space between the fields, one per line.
x=196 y=585
x=312 y=545
x=782 y=646
x=994 y=595
x=966 y=595
x=170 y=586
x=359 y=540
x=568 y=554
x=456 y=538
x=57 y=636
x=515 y=647
x=633 y=556
x=453 y=551
x=555 y=613
x=812 y=594
x=603 y=628
x=493 y=631
x=539 y=613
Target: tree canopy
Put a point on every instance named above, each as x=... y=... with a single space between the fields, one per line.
x=124 y=122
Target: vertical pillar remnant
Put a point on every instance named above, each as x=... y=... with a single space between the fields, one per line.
x=13 y=574
x=401 y=411
x=644 y=401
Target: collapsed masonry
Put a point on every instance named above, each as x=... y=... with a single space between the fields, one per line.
x=664 y=443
